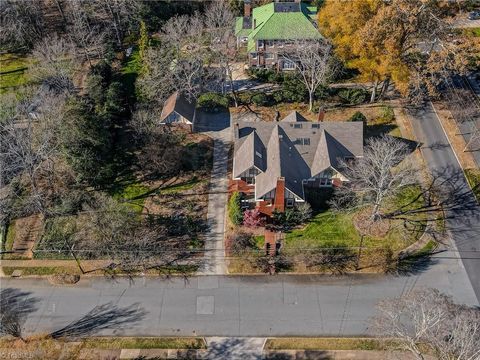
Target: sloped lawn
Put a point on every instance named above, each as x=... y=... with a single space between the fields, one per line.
x=331 y=236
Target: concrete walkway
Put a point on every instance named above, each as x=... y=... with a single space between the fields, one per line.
x=217 y=126
x=236 y=348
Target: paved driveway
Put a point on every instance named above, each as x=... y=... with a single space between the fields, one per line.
x=464 y=219
x=216 y=125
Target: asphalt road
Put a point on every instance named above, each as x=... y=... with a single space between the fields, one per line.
x=463 y=218
x=229 y=305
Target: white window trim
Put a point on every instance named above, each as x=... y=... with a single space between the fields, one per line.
x=290 y=63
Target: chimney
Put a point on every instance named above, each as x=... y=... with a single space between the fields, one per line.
x=277 y=116
x=247 y=8
x=321 y=115
x=236 y=131
x=279 y=202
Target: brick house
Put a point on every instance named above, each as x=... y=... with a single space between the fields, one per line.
x=274 y=162
x=269 y=30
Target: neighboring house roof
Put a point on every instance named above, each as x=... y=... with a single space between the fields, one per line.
x=279 y=21
x=295 y=150
x=178 y=103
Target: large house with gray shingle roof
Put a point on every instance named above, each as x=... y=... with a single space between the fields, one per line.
x=274 y=161
x=270 y=29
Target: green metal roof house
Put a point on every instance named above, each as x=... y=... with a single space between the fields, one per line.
x=270 y=28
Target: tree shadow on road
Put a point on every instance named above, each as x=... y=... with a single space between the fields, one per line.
x=15 y=306
x=102 y=317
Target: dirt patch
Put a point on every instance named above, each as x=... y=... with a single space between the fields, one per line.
x=365 y=225
x=64 y=279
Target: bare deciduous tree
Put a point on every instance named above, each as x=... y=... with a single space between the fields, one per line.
x=29 y=143
x=375 y=177
x=90 y=39
x=431 y=318
x=54 y=63
x=218 y=20
x=21 y=24
x=313 y=61
x=117 y=15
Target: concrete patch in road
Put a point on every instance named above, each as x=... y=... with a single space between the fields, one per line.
x=205 y=305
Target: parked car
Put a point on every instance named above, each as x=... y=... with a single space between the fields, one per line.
x=474 y=15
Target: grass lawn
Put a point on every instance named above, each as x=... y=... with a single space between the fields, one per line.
x=130 y=71
x=12 y=71
x=334 y=229
x=44 y=347
x=10 y=236
x=473 y=31
x=328 y=344
x=39 y=270
x=473 y=178
x=133 y=195
x=173 y=189
x=145 y=343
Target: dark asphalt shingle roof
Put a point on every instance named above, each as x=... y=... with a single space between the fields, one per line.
x=295 y=150
x=178 y=103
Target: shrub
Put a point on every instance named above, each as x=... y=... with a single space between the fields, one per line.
x=304 y=212
x=260 y=99
x=322 y=92
x=358 y=116
x=266 y=75
x=278 y=96
x=293 y=90
x=245 y=97
x=387 y=114
x=353 y=96
x=212 y=101
x=239 y=242
x=234 y=208
x=292 y=217
x=276 y=77
x=253 y=218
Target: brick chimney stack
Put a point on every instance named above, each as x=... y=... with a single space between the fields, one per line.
x=279 y=201
x=236 y=131
x=247 y=8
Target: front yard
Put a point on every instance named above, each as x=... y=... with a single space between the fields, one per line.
x=330 y=235
x=330 y=242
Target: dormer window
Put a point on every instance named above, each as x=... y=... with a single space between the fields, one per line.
x=258 y=154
